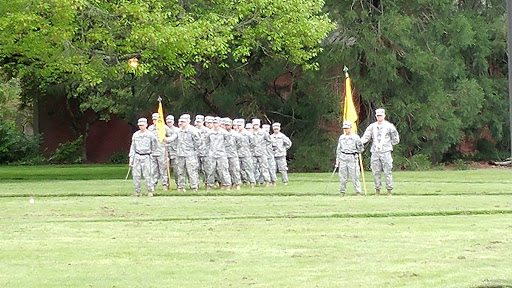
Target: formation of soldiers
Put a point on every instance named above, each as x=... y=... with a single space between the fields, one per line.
x=223 y=152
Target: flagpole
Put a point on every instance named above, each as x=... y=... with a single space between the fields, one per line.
x=348 y=113
x=161 y=136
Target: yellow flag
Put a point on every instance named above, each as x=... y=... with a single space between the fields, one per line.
x=349 y=109
x=160 y=123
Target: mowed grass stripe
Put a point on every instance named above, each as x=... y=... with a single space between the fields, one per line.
x=272 y=217
x=196 y=208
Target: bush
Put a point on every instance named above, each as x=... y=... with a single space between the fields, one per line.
x=70 y=152
x=15 y=146
x=461 y=164
x=486 y=150
x=418 y=162
x=118 y=158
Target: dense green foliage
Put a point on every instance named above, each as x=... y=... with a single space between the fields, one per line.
x=438 y=67
x=15 y=146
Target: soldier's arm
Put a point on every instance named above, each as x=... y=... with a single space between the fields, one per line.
x=196 y=139
x=367 y=134
x=171 y=137
x=338 y=151
x=359 y=144
x=395 y=138
x=287 y=142
x=131 y=154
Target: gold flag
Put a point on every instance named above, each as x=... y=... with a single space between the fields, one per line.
x=349 y=109
x=160 y=123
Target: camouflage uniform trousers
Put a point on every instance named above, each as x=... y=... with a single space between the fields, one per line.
x=173 y=167
x=142 y=167
x=261 y=166
x=234 y=170
x=272 y=168
x=282 y=167
x=204 y=167
x=219 y=165
x=187 y=166
x=349 y=168
x=159 y=169
x=247 y=169
x=382 y=162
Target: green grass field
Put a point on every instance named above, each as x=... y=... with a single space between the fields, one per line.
x=439 y=229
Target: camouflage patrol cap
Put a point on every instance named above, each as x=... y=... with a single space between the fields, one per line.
x=240 y=122
x=226 y=121
x=347 y=124
x=184 y=117
x=154 y=116
x=380 y=112
x=142 y=121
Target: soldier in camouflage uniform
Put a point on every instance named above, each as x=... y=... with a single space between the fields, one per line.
x=244 y=152
x=204 y=160
x=172 y=148
x=347 y=151
x=256 y=171
x=159 y=156
x=261 y=141
x=270 y=157
x=384 y=136
x=188 y=144
x=143 y=143
x=233 y=138
x=216 y=141
x=281 y=143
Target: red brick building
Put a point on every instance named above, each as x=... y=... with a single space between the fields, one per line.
x=52 y=116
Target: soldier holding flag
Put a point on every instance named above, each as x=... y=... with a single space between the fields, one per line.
x=159 y=160
x=349 y=146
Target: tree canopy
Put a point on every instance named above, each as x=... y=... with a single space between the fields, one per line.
x=438 y=67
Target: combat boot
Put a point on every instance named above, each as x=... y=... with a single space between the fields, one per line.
x=136 y=194
x=389 y=192
x=377 y=191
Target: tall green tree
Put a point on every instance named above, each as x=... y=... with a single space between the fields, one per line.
x=439 y=67
x=79 y=48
